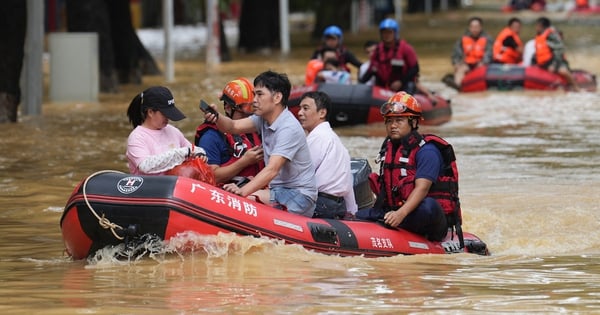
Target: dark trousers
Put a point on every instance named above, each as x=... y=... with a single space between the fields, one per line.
x=327 y=208
x=428 y=219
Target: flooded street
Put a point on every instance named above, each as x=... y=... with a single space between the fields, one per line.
x=529 y=166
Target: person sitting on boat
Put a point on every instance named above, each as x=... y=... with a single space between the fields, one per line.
x=528 y=53
x=508 y=47
x=418 y=179
x=333 y=38
x=232 y=155
x=394 y=63
x=333 y=73
x=315 y=66
x=329 y=156
x=154 y=146
x=472 y=50
x=289 y=172
x=369 y=47
x=550 y=49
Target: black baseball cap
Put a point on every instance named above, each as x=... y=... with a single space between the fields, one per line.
x=160 y=98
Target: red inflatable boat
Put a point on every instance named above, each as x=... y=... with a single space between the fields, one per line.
x=359 y=104
x=111 y=208
x=512 y=77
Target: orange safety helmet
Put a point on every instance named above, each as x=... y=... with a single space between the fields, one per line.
x=239 y=94
x=401 y=104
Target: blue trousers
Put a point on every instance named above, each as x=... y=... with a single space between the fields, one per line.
x=428 y=219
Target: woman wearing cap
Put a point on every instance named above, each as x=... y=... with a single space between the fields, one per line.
x=418 y=180
x=154 y=146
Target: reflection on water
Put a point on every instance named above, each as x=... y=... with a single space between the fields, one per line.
x=528 y=163
x=258 y=276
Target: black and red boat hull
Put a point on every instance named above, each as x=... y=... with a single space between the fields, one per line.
x=108 y=208
x=359 y=104
x=513 y=77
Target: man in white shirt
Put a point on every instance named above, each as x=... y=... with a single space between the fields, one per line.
x=329 y=156
x=529 y=52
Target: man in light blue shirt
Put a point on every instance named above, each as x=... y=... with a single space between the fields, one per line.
x=289 y=171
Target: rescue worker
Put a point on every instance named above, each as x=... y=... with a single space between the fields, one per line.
x=550 y=51
x=333 y=38
x=508 y=47
x=394 y=62
x=232 y=155
x=473 y=49
x=418 y=179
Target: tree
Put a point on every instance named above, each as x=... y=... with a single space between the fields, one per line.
x=332 y=12
x=13 y=19
x=259 y=25
x=419 y=5
x=123 y=58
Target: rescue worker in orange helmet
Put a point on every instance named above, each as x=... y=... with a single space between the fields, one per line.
x=508 y=47
x=418 y=179
x=232 y=155
x=472 y=50
x=550 y=51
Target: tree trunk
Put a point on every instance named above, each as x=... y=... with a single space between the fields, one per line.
x=415 y=6
x=259 y=25
x=13 y=20
x=151 y=13
x=92 y=16
x=123 y=58
x=131 y=57
x=332 y=12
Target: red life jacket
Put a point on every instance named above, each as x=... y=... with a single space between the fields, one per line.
x=507 y=54
x=398 y=170
x=582 y=4
x=473 y=49
x=387 y=59
x=238 y=145
x=543 y=52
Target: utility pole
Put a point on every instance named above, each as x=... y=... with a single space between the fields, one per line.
x=284 y=26
x=213 y=56
x=168 y=34
x=33 y=58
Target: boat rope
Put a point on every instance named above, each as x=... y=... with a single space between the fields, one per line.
x=102 y=220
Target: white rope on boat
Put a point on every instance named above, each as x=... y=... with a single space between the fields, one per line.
x=102 y=220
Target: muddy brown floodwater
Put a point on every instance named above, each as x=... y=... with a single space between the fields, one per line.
x=529 y=165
